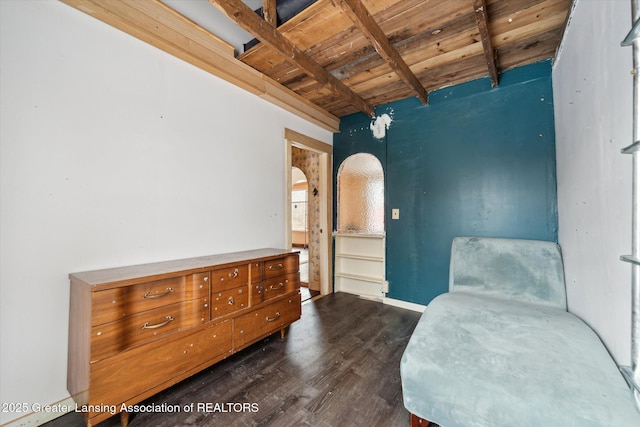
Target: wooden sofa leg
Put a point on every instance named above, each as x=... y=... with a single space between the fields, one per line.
x=416 y=421
x=124 y=418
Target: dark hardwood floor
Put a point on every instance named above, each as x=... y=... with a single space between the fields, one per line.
x=307 y=294
x=338 y=366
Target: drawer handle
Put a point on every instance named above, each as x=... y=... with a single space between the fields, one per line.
x=276 y=267
x=231 y=301
x=274 y=318
x=159 y=325
x=234 y=274
x=149 y=295
x=275 y=288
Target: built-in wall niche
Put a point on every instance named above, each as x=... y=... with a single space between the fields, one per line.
x=360 y=235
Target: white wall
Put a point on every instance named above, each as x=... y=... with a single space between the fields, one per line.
x=593 y=115
x=115 y=153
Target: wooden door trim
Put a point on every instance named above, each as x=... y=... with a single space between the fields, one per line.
x=296 y=139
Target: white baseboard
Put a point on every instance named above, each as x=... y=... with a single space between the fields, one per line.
x=46 y=414
x=390 y=301
x=404 y=304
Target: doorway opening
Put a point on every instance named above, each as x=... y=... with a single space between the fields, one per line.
x=300 y=225
x=309 y=234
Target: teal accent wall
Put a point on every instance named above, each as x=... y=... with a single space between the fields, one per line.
x=476 y=161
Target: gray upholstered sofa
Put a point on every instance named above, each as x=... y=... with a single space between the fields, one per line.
x=500 y=349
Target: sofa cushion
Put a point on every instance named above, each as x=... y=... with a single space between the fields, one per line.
x=524 y=270
x=477 y=360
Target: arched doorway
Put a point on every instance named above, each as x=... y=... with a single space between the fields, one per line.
x=300 y=224
x=299 y=209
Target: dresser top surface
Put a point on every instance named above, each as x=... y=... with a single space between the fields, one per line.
x=171 y=268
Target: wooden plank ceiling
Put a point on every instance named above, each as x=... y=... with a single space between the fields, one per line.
x=442 y=42
x=338 y=57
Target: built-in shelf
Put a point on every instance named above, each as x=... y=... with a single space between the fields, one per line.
x=631 y=259
x=631 y=148
x=360 y=277
x=360 y=264
x=355 y=256
x=631 y=374
x=359 y=235
x=632 y=35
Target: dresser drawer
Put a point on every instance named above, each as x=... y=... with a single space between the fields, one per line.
x=133 y=372
x=228 y=278
x=281 y=285
x=117 y=303
x=266 y=320
x=228 y=301
x=114 y=337
x=280 y=266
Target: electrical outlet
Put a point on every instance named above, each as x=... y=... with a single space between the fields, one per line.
x=395 y=213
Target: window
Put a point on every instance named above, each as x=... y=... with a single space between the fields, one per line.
x=361 y=195
x=299 y=210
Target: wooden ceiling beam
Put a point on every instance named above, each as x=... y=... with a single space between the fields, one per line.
x=480 y=8
x=246 y=18
x=372 y=31
x=269 y=12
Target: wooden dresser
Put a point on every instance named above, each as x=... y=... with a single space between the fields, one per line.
x=134 y=331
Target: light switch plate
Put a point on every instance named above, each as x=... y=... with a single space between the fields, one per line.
x=395 y=213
